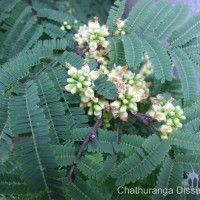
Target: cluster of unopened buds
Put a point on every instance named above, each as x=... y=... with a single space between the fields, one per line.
x=166 y=112
x=92 y=39
x=67 y=26
x=147 y=67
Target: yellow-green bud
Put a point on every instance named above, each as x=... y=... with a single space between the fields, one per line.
x=71 y=80
x=87 y=83
x=90 y=111
x=125 y=101
x=74 y=90
x=81 y=78
x=79 y=85
x=123 y=108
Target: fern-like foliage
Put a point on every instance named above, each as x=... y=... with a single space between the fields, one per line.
x=105 y=87
x=147 y=157
x=159 y=58
x=37 y=128
x=115 y=13
x=133 y=50
x=49 y=147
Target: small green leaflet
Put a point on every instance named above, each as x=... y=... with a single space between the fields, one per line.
x=105 y=87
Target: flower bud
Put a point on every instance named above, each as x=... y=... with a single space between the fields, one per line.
x=69 y=87
x=68 y=27
x=172 y=114
x=123 y=108
x=71 y=80
x=176 y=121
x=121 y=96
x=179 y=125
x=97 y=107
x=182 y=117
x=79 y=85
x=125 y=101
x=81 y=78
x=62 y=28
x=74 y=90
x=90 y=111
x=87 y=83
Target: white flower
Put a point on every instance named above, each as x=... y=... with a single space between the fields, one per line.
x=156 y=108
x=94 y=74
x=104 y=104
x=93 y=46
x=160 y=116
x=86 y=69
x=115 y=113
x=115 y=105
x=72 y=72
x=85 y=99
x=169 y=106
x=89 y=92
x=105 y=44
x=166 y=129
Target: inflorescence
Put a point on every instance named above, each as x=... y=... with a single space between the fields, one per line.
x=132 y=88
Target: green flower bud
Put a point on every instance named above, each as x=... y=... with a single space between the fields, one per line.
x=123 y=108
x=65 y=23
x=125 y=101
x=90 y=111
x=131 y=82
x=81 y=78
x=74 y=90
x=87 y=83
x=121 y=96
x=69 y=27
x=89 y=104
x=79 y=85
x=176 y=121
x=71 y=80
x=182 y=117
x=172 y=113
x=131 y=105
x=97 y=107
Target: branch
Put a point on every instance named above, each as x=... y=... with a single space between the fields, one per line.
x=145 y=119
x=91 y=135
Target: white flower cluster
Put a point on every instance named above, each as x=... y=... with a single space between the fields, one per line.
x=147 y=67
x=82 y=82
x=93 y=40
x=167 y=113
x=132 y=89
x=66 y=25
